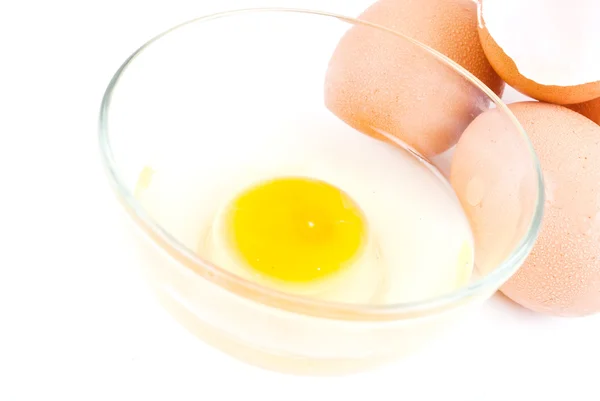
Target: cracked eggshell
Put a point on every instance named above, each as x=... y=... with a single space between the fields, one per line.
x=590 y=109
x=546 y=49
x=379 y=83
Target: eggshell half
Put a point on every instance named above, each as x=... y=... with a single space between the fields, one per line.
x=546 y=49
x=561 y=276
x=589 y=109
x=382 y=84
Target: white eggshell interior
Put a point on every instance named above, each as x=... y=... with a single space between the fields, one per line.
x=552 y=42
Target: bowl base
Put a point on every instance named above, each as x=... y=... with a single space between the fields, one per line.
x=262 y=358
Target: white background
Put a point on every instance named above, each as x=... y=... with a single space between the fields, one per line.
x=76 y=321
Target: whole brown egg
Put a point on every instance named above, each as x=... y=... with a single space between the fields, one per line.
x=561 y=276
x=381 y=83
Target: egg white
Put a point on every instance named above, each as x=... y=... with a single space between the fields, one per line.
x=417 y=229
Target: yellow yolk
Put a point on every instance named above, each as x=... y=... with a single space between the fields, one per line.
x=296 y=229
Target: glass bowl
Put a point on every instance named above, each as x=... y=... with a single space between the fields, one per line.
x=198 y=96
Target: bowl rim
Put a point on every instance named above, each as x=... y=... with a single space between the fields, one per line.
x=295 y=303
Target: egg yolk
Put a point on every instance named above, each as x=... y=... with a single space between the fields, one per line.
x=296 y=229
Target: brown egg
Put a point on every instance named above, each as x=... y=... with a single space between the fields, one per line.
x=562 y=274
x=589 y=109
x=546 y=60
x=377 y=82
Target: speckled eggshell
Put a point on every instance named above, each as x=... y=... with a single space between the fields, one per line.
x=589 y=109
x=561 y=276
x=377 y=82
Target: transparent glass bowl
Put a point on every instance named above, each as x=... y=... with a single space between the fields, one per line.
x=233 y=72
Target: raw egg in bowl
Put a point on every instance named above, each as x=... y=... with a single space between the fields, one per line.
x=278 y=216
